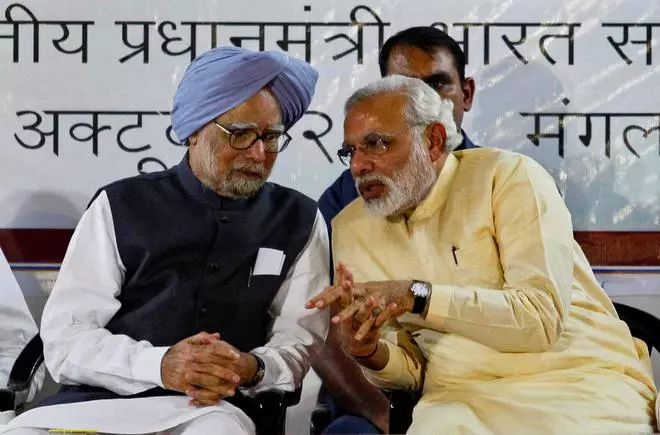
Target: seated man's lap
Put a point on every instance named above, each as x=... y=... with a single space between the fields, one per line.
x=217 y=423
x=599 y=401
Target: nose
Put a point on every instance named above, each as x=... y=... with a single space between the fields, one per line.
x=361 y=164
x=257 y=152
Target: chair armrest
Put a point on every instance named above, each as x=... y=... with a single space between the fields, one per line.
x=402 y=403
x=321 y=419
x=22 y=373
x=642 y=325
x=267 y=409
x=7 y=399
x=278 y=398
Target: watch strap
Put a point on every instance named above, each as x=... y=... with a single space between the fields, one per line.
x=258 y=374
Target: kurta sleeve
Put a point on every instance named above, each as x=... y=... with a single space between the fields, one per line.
x=78 y=349
x=405 y=365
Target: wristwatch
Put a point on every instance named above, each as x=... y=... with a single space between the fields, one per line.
x=259 y=374
x=421 y=291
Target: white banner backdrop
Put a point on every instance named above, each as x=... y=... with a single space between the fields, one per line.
x=86 y=88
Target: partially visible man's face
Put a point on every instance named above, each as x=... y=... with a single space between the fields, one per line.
x=225 y=170
x=397 y=177
x=438 y=70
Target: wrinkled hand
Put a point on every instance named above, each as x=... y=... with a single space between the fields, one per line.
x=365 y=307
x=206 y=368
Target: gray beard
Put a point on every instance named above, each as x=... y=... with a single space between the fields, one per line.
x=407 y=187
x=232 y=184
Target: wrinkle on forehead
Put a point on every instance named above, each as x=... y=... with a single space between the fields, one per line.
x=381 y=113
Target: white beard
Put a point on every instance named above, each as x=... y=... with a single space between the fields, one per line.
x=407 y=187
x=231 y=184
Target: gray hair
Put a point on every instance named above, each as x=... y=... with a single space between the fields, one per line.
x=425 y=106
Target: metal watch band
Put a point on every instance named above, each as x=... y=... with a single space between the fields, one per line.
x=259 y=374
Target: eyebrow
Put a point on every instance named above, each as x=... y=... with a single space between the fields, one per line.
x=375 y=136
x=242 y=125
x=239 y=125
x=439 y=77
x=276 y=127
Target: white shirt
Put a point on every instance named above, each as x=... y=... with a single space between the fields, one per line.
x=16 y=324
x=79 y=350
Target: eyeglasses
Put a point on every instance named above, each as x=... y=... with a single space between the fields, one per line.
x=244 y=138
x=373 y=145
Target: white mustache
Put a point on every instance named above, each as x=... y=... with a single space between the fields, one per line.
x=379 y=178
x=249 y=167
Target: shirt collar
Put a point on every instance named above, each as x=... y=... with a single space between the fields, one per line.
x=467 y=143
x=437 y=197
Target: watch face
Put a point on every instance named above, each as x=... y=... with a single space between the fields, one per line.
x=419 y=289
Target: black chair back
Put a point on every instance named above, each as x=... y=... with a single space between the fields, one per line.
x=643 y=325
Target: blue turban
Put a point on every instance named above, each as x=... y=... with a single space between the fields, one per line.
x=224 y=77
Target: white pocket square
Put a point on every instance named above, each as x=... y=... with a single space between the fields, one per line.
x=269 y=262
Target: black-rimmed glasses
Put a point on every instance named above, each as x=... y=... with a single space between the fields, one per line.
x=244 y=138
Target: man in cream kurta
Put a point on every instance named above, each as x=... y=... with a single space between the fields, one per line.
x=516 y=335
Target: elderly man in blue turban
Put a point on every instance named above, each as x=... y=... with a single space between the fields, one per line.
x=185 y=289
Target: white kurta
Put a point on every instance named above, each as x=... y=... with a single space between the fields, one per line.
x=79 y=350
x=17 y=326
x=16 y=329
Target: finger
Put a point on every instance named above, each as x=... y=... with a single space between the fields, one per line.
x=312 y=302
x=345 y=273
x=389 y=313
x=365 y=310
x=346 y=284
x=346 y=313
x=203 y=338
x=219 y=391
x=212 y=381
x=358 y=291
x=339 y=272
x=223 y=349
x=343 y=277
x=365 y=328
x=207 y=397
x=346 y=296
x=225 y=373
x=325 y=298
x=217 y=353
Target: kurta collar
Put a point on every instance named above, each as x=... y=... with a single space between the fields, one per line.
x=437 y=197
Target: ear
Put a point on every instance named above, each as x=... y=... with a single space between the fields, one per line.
x=468 y=87
x=192 y=139
x=438 y=139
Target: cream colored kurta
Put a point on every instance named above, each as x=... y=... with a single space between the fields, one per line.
x=519 y=337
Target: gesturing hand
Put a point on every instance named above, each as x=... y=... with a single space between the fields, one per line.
x=365 y=307
x=204 y=367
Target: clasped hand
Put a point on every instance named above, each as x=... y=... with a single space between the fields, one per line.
x=363 y=308
x=205 y=368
